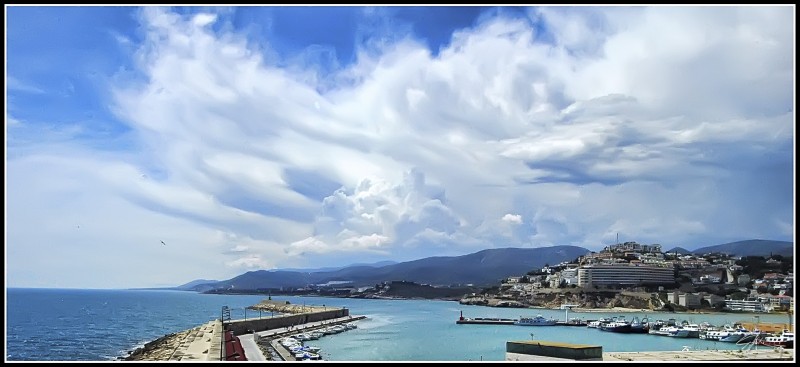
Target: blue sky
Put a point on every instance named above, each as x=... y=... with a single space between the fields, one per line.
x=252 y=138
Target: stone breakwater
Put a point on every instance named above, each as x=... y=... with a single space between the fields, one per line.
x=201 y=343
x=160 y=349
x=285 y=307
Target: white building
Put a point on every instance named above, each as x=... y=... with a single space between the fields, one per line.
x=690 y=300
x=744 y=305
x=570 y=276
x=624 y=275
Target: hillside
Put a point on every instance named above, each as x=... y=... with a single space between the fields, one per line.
x=751 y=248
x=679 y=250
x=485 y=267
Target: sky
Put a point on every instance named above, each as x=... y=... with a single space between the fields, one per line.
x=151 y=146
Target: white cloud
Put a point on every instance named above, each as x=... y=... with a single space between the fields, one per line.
x=513 y=218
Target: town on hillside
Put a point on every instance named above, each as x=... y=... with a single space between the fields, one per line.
x=638 y=276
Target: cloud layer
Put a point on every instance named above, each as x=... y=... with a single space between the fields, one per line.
x=566 y=127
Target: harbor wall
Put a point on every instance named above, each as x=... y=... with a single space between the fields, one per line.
x=266 y=323
x=536 y=350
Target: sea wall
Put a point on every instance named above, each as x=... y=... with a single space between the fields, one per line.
x=240 y=327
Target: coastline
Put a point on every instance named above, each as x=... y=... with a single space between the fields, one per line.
x=574 y=309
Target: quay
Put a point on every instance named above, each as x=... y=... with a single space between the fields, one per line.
x=541 y=350
x=767 y=354
x=486 y=321
x=499 y=321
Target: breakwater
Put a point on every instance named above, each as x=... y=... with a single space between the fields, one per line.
x=282 y=321
x=203 y=342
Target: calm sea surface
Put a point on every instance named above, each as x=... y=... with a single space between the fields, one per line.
x=96 y=325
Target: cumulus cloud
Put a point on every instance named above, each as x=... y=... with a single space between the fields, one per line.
x=587 y=122
x=513 y=218
x=378 y=216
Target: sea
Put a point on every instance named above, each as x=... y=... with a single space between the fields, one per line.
x=102 y=325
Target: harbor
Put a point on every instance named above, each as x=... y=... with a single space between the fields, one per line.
x=255 y=339
x=392 y=329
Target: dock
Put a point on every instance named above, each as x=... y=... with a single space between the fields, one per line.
x=766 y=354
x=485 y=321
x=499 y=321
x=542 y=350
x=272 y=336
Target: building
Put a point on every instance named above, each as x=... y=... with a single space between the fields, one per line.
x=743 y=280
x=672 y=297
x=620 y=275
x=744 y=305
x=633 y=247
x=689 y=300
x=570 y=276
x=714 y=299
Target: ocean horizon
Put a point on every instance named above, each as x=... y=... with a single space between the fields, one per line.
x=46 y=324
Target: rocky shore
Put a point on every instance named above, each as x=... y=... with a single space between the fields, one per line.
x=160 y=349
x=196 y=344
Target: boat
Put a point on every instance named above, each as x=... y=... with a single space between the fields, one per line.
x=785 y=339
x=597 y=323
x=694 y=330
x=539 y=320
x=676 y=332
x=575 y=321
x=733 y=337
x=617 y=326
x=639 y=327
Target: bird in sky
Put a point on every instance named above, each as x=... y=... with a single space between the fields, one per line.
x=162 y=242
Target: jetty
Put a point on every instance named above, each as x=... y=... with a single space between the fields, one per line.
x=542 y=350
x=501 y=321
x=228 y=339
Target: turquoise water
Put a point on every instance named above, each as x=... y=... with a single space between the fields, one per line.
x=95 y=325
x=398 y=330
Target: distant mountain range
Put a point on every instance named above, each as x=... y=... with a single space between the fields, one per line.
x=485 y=267
x=482 y=268
x=192 y=284
x=334 y=268
x=751 y=248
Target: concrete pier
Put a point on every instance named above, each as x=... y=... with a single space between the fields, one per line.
x=767 y=354
x=536 y=350
x=541 y=350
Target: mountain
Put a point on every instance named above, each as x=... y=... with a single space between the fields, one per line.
x=485 y=267
x=194 y=283
x=751 y=248
x=334 y=268
x=679 y=250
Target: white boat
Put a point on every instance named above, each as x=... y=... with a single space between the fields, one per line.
x=539 y=320
x=598 y=323
x=694 y=330
x=785 y=339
